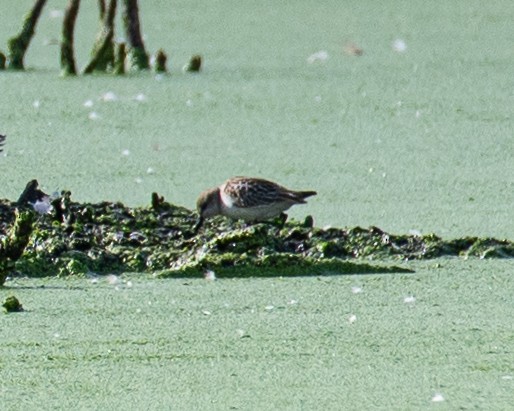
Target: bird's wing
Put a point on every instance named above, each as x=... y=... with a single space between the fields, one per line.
x=253 y=192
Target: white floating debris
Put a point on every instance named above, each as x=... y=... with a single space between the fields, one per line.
x=205 y=312
x=109 y=96
x=56 y=14
x=94 y=280
x=209 y=275
x=437 y=398
x=112 y=279
x=352 y=318
x=88 y=103
x=399 y=46
x=42 y=206
x=189 y=103
x=317 y=99
x=140 y=97
x=507 y=377
x=356 y=290
x=36 y=104
x=125 y=152
x=94 y=116
x=418 y=114
x=409 y=300
x=269 y=307
x=321 y=55
x=292 y=302
x=138 y=180
x=129 y=284
x=150 y=170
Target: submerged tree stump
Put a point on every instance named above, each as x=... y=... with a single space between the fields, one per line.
x=67 y=52
x=160 y=62
x=13 y=245
x=194 y=65
x=137 y=54
x=19 y=44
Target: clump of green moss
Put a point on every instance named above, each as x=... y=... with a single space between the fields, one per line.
x=12 y=305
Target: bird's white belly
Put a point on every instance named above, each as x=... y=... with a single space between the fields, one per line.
x=257 y=213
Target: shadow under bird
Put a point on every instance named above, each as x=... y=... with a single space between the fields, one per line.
x=248 y=199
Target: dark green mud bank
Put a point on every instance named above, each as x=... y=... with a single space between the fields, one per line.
x=77 y=238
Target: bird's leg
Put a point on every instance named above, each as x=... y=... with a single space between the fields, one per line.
x=198 y=224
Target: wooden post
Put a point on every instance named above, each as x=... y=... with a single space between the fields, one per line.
x=67 y=54
x=103 y=51
x=19 y=44
x=121 y=55
x=137 y=53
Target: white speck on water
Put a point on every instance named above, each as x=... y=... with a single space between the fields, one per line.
x=317 y=99
x=138 y=311
x=409 y=300
x=292 y=302
x=140 y=97
x=209 y=275
x=321 y=56
x=189 y=103
x=56 y=14
x=399 y=46
x=112 y=279
x=507 y=377
x=94 y=280
x=129 y=284
x=437 y=398
x=150 y=170
x=36 y=104
x=94 y=116
x=88 y=103
x=356 y=290
x=418 y=114
x=384 y=175
x=138 y=180
x=125 y=152
x=159 y=77
x=109 y=96
x=269 y=307
x=352 y=318
x=206 y=312
x=57 y=335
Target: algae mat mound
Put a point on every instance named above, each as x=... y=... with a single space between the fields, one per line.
x=81 y=238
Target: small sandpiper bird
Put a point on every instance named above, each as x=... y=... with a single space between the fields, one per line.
x=249 y=199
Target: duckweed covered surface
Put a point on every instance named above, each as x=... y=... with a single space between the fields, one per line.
x=77 y=238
